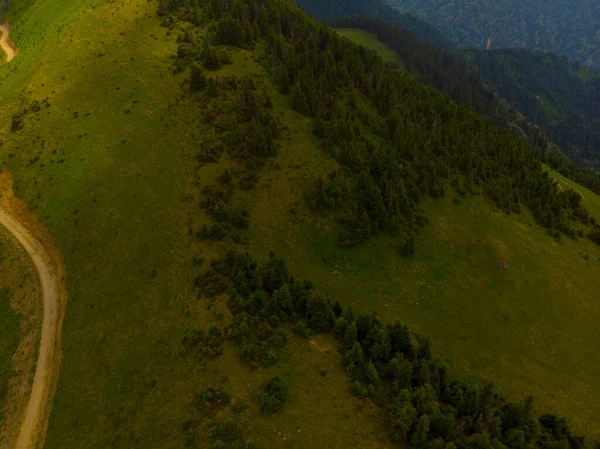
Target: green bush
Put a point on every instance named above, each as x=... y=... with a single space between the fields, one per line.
x=358 y=390
x=275 y=395
x=211 y=399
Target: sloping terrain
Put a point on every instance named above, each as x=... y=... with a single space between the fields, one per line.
x=30 y=234
x=111 y=149
x=569 y=28
x=561 y=97
x=451 y=74
x=20 y=320
x=551 y=102
x=377 y=8
x=370 y=41
x=118 y=201
x=589 y=199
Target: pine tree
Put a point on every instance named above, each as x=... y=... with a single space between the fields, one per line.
x=401 y=417
x=351 y=334
x=299 y=102
x=211 y=88
x=198 y=81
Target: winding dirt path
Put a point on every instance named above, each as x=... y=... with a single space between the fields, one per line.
x=14 y=217
x=5 y=43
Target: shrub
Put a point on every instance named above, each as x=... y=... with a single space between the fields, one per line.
x=17 y=122
x=275 y=395
x=211 y=399
x=248 y=181
x=301 y=329
x=358 y=390
x=198 y=80
x=204 y=345
x=217 y=232
x=594 y=235
x=269 y=358
x=227 y=431
x=239 y=406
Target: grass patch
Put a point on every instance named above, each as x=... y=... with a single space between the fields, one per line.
x=369 y=40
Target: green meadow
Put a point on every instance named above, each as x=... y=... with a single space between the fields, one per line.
x=107 y=162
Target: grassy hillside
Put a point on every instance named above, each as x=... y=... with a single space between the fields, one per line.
x=490 y=323
x=20 y=318
x=108 y=163
x=116 y=189
x=370 y=41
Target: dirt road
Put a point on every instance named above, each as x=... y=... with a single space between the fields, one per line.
x=34 y=420
x=4 y=43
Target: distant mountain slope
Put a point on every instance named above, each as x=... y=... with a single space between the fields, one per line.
x=567 y=27
x=416 y=41
x=517 y=88
x=376 y=8
x=145 y=174
x=448 y=73
x=561 y=97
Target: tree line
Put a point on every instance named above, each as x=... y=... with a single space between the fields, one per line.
x=541 y=97
x=324 y=9
x=448 y=72
x=385 y=362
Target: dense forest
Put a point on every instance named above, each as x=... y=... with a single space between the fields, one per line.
x=569 y=114
x=566 y=27
x=448 y=73
x=561 y=97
